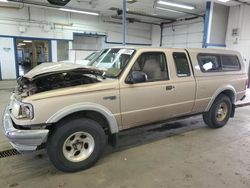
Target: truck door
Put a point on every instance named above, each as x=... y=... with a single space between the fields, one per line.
x=162 y=96
x=183 y=81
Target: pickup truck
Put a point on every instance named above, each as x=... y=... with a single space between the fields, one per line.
x=74 y=111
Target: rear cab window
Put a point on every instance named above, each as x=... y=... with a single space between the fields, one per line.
x=218 y=62
x=230 y=63
x=181 y=64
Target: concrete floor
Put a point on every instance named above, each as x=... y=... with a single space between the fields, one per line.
x=177 y=154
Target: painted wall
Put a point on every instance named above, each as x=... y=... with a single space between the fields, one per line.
x=216 y=25
x=219 y=24
x=181 y=34
x=54 y=50
x=156 y=35
x=7 y=58
x=239 y=19
x=46 y=23
x=53 y=24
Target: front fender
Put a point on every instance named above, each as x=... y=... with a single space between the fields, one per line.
x=86 y=107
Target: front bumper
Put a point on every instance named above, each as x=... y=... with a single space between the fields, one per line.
x=23 y=140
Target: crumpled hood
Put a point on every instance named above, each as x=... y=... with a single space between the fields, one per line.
x=49 y=68
x=52 y=76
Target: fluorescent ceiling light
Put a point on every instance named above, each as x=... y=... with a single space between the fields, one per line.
x=79 y=11
x=5 y=1
x=27 y=41
x=170 y=10
x=224 y=1
x=172 y=4
x=21 y=44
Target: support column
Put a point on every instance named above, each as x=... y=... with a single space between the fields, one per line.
x=161 y=37
x=206 y=24
x=124 y=23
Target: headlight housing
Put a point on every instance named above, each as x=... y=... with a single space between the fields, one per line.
x=22 y=110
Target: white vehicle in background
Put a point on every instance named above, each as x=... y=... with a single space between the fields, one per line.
x=112 y=58
x=86 y=60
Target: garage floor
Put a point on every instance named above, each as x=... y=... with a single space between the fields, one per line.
x=177 y=154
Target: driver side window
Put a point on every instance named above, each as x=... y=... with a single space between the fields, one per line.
x=153 y=64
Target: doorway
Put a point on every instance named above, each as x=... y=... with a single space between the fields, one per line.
x=30 y=53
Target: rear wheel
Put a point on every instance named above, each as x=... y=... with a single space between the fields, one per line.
x=219 y=113
x=76 y=145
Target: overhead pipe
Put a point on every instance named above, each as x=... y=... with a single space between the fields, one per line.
x=241 y=2
x=119 y=12
x=131 y=20
x=148 y=15
x=33 y=3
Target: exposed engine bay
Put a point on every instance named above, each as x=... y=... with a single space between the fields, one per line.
x=55 y=80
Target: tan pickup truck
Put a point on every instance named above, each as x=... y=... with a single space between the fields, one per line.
x=74 y=111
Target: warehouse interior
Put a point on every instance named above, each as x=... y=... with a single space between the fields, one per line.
x=31 y=53
x=182 y=153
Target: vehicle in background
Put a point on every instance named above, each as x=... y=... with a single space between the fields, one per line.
x=84 y=61
x=74 y=110
x=112 y=58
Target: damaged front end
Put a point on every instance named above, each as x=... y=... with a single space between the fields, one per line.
x=32 y=83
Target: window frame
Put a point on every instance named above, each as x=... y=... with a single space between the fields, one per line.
x=232 y=69
x=220 y=63
x=176 y=70
x=139 y=56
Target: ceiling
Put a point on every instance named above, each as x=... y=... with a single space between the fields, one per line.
x=145 y=6
x=139 y=6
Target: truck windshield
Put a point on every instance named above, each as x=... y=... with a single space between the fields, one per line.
x=113 y=61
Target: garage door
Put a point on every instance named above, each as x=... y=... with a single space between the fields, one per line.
x=182 y=36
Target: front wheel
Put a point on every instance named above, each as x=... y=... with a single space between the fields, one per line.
x=219 y=113
x=76 y=145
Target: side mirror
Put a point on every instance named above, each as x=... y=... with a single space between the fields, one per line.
x=137 y=77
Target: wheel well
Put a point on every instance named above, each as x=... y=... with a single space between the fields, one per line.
x=230 y=94
x=93 y=115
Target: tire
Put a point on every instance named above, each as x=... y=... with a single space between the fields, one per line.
x=76 y=145
x=219 y=113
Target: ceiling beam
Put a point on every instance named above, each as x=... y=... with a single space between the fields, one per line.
x=119 y=12
x=148 y=15
x=131 y=20
x=241 y=2
x=27 y=2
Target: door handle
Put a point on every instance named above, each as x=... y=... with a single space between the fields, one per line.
x=168 y=88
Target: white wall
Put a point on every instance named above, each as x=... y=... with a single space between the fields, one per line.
x=184 y=34
x=46 y=23
x=53 y=24
x=156 y=35
x=54 y=50
x=219 y=21
x=7 y=58
x=239 y=18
